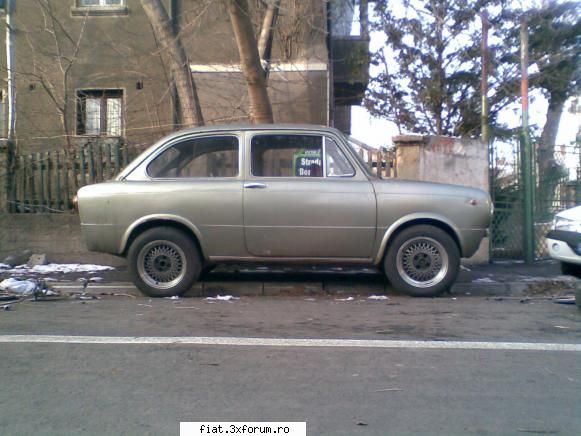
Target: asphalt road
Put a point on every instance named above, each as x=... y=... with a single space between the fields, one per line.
x=148 y=388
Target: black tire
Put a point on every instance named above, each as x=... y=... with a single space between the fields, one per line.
x=571 y=269
x=422 y=261
x=164 y=262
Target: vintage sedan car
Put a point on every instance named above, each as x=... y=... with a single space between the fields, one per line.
x=277 y=194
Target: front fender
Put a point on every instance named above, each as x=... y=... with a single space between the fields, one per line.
x=419 y=217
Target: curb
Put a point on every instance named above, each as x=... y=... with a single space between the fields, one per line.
x=322 y=288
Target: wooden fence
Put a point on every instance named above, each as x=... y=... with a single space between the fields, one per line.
x=381 y=162
x=46 y=182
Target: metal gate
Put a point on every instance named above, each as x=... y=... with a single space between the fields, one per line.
x=557 y=187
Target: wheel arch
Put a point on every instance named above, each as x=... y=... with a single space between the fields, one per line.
x=154 y=221
x=414 y=220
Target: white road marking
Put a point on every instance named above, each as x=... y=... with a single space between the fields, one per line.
x=276 y=342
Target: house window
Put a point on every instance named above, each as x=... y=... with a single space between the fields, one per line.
x=100 y=112
x=99 y=8
x=100 y=3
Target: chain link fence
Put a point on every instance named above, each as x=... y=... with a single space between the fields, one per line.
x=557 y=187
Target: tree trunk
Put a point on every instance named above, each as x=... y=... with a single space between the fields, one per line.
x=191 y=112
x=550 y=171
x=260 y=108
x=266 y=34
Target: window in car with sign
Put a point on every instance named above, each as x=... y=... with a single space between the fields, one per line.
x=287 y=156
x=214 y=156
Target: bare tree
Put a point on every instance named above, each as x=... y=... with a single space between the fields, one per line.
x=260 y=107
x=65 y=50
x=267 y=33
x=191 y=111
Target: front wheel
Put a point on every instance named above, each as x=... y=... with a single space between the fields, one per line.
x=422 y=261
x=164 y=262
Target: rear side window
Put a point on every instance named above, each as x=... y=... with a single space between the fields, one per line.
x=287 y=156
x=214 y=156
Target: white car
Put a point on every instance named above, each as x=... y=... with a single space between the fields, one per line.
x=564 y=240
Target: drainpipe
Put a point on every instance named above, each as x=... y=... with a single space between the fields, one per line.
x=330 y=96
x=175 y=114
x=8 y=8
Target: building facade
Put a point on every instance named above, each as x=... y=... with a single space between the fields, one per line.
x=77 y=71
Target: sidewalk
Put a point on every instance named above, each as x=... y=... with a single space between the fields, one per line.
x=509 y=278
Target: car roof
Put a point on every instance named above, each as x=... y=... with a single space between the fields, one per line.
x=250 y=127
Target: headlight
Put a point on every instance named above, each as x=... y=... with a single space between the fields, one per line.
x=567 y=225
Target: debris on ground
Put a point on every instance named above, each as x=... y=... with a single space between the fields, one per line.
x=565 y=300
x=345 y=299
x=17 y=259
x=8 y=297
x=86 y=297
x=484 y=280
x=223 y=298
x=37 y=259
x=378 y=297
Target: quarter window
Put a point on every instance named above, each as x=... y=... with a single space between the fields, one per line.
x=213 y=156
x=336 y=163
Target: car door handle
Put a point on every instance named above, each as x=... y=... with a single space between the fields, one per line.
x=255 y=185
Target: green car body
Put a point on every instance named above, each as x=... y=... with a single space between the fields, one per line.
x=245 y=217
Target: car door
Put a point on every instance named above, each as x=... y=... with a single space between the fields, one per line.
x=198 y=179
x=304 y=198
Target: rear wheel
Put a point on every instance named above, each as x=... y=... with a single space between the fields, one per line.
x=164 y=262
x=422 y=261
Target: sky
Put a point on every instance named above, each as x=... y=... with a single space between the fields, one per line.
x=378 y=132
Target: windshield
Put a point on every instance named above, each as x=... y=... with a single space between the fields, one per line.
x=356 y=148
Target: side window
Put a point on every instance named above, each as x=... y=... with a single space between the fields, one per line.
x=337 y=164
x=287 y=156
x=214 y=156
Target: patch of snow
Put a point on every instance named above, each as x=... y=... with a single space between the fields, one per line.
x=60 y=268
x=378 y=297
x=4 y=266
x=345 y=299
x=484 y=280
x=223 y=298
x=22 y=287
x=464 y=268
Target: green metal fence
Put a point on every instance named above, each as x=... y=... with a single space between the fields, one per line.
x=47 y=182
x=557 y=187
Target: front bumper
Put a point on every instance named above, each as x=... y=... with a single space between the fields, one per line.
x=564 y=246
